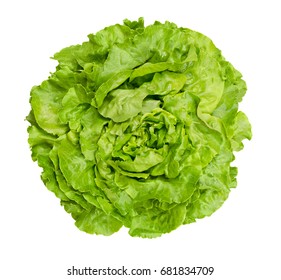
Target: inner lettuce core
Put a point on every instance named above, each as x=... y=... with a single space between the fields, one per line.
x=137 y=128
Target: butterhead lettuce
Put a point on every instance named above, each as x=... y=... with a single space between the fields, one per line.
x=137 y=128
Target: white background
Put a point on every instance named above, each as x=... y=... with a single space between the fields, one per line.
x=241 y=240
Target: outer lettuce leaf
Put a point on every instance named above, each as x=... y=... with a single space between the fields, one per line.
x=137 y=128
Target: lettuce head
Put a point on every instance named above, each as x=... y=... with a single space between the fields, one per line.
x=137 y=128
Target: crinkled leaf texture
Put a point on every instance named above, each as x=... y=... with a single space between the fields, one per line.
x=137 y=128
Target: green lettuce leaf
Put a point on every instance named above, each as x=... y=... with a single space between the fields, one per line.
x=137 y=127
